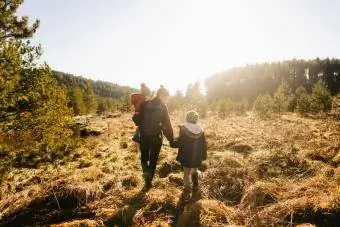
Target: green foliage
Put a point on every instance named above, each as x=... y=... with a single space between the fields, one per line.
x=89 y=99
x=42 y=120
x=227 y=107
x=76 y=101
x=251 y=80
x=224 y=108
x=202 y=108
x=263 y=105
x=125 y=103
x=321 y=99
x=176 y=101
x=34 y=116
x=282 y=99
x=11 y=26
x=10 y=62
x=107 y=105
x=240 y=108
x=98 y=96
x=193 y=95
x=302 y=101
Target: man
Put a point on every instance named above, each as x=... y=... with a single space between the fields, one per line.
x=154 y=121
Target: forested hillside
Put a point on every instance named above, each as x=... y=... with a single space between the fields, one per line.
x=249 y=81
x=87 y=95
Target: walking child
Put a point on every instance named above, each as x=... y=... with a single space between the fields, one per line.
x=192 y=151
x=137 y=99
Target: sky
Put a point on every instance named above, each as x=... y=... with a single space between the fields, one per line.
x=177 y=42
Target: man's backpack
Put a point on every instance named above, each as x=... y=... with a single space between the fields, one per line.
x=153 y=117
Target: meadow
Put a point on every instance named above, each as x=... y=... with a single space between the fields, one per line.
x=259 y=172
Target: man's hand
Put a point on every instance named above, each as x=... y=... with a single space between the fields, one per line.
x=174 y=144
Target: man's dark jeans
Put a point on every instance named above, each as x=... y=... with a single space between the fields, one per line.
x=150 y=147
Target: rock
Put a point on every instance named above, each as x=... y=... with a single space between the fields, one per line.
x=168 y=167
x=175 y=179
x=88 y=131
x=130 y=181
x=242 y=148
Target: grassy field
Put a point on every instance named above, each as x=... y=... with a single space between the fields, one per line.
x=276 y=172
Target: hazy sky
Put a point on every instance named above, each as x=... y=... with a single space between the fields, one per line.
x=176 y=42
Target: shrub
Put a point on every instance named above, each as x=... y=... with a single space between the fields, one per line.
x=240 y=108
x=282 y=99
x=302 y=101
x=263 y=105
x=321 y=99
x=224 y=108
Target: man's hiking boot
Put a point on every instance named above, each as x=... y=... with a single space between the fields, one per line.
x=148 y=184
x=136 y=138
x=147 y=180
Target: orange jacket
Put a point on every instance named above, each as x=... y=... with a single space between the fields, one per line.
x=137 y=99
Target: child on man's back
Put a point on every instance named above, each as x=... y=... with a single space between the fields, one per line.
x=137 y=99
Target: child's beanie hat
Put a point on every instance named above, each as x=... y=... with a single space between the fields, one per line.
x=162 y=91
x=145 y=90
x=192 y=116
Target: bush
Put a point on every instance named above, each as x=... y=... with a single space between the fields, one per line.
x=302 y=101
x=282 y=99
x=263 y=105
x=240 y=108
x=321 y=99
x=202 y=108
x=224 y=108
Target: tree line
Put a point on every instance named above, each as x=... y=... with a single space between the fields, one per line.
x=249 y=81
x=89 y=96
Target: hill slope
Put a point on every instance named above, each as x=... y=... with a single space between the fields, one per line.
x=258 y=173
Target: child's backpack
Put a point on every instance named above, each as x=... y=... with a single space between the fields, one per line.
x=153 y=117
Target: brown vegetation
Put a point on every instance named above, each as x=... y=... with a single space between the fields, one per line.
x=272 y=172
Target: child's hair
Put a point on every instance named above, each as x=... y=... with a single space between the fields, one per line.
x=162 y=91
x=145 y=90
x=192 y=116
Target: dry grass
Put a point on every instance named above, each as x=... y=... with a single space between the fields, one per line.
x=78 y=223
x=260 y=194
x=208 y=213
x=274 y=172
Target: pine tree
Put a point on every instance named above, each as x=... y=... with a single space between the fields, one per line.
x=282 y=99
x=224 y=108
x=34 y=117
x=302 y=101
x=263 y=105
x=77 y=101
x=193 y=94
x=177 y=101
x=321 y=99
x=45 y=119
x=125 y=103
x=89 y=99
x=13 y=27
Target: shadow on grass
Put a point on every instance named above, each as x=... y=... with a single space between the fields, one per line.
x=184 y=214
